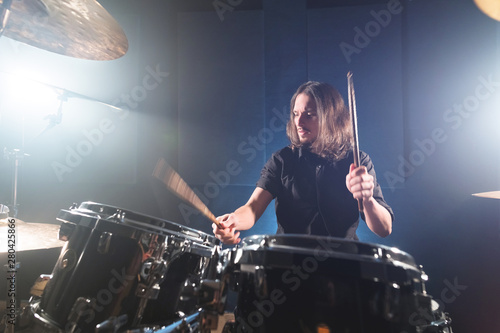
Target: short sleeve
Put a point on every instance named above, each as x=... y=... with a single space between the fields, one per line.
x=270 y=175
x=377 y=190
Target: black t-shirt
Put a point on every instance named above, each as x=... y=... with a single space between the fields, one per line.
x=310 y=193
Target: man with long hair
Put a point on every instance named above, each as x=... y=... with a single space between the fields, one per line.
x=313 y=180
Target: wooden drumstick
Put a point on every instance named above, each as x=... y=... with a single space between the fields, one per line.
x=178 y=186
x=354 y=121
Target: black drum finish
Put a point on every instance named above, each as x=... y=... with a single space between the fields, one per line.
x=115 y=264
x=298 y=283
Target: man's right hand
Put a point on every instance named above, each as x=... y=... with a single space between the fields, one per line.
x=227 y=232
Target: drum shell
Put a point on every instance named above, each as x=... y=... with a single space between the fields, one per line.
x=290 y=283
x=102 y=273
x=108 y=279
x=177 y=296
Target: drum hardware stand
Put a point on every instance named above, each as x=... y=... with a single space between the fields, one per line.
x=188 y=324
x=153 y=271
x=55 y=118
x=17 y=156
x=212 y=294
x=23 y=321
x=4 y=211
x=437 y=326
x=111 y=325
x=211 y=300
x=4 y=15
x=81 y=306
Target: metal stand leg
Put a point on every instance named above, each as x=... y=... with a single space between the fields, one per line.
x=17 y=156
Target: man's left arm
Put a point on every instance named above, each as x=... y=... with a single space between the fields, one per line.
x=362 y=186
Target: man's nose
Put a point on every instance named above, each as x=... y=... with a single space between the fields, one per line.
x=300 y=119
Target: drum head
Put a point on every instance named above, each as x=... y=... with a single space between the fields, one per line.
x=282 y=251
x=88 y=213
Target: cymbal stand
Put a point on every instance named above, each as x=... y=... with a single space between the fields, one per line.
x=17 y=155
x=4 y=15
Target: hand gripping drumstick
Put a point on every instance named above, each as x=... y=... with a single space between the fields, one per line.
x=354 y=121
x=178 y=186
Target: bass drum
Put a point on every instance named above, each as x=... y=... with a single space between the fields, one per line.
x=300 y=283
x=122 y=270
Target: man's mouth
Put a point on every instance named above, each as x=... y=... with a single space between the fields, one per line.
x=302 y=131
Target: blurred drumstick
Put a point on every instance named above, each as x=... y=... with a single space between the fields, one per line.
x=352 y=110
x=178 y=186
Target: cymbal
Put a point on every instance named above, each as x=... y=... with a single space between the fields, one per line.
x=76 y=28
x=490 y=195
x=30 y=236
x=490 y=8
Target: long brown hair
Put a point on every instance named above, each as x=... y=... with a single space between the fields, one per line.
x=335 y=137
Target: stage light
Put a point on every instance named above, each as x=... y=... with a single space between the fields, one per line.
x=29 y=97
x=490 y=8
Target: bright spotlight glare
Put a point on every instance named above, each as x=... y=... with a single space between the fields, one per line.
x=28 y=97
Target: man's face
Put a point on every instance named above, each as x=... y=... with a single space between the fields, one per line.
x=305 y=118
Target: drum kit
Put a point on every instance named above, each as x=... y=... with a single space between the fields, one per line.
x=121 y=271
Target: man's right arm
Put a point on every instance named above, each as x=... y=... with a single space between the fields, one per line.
x=242 y=218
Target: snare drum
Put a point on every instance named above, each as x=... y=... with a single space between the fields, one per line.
x=116 y=263
x=300 y=283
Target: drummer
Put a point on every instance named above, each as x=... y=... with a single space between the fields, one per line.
x=313 y=180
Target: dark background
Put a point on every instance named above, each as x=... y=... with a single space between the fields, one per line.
x=225 y=75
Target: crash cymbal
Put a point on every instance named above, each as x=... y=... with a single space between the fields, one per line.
x=490 y=8
x=29 y=236
x=490 y=195
x=76 y=28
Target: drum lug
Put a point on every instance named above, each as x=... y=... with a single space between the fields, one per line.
x=104 y=242
x=260 y=282
x=424 y=278
x=153 y=272
x=118 y=216
x=175 y=247
x=66 y=230
x=392 y=301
